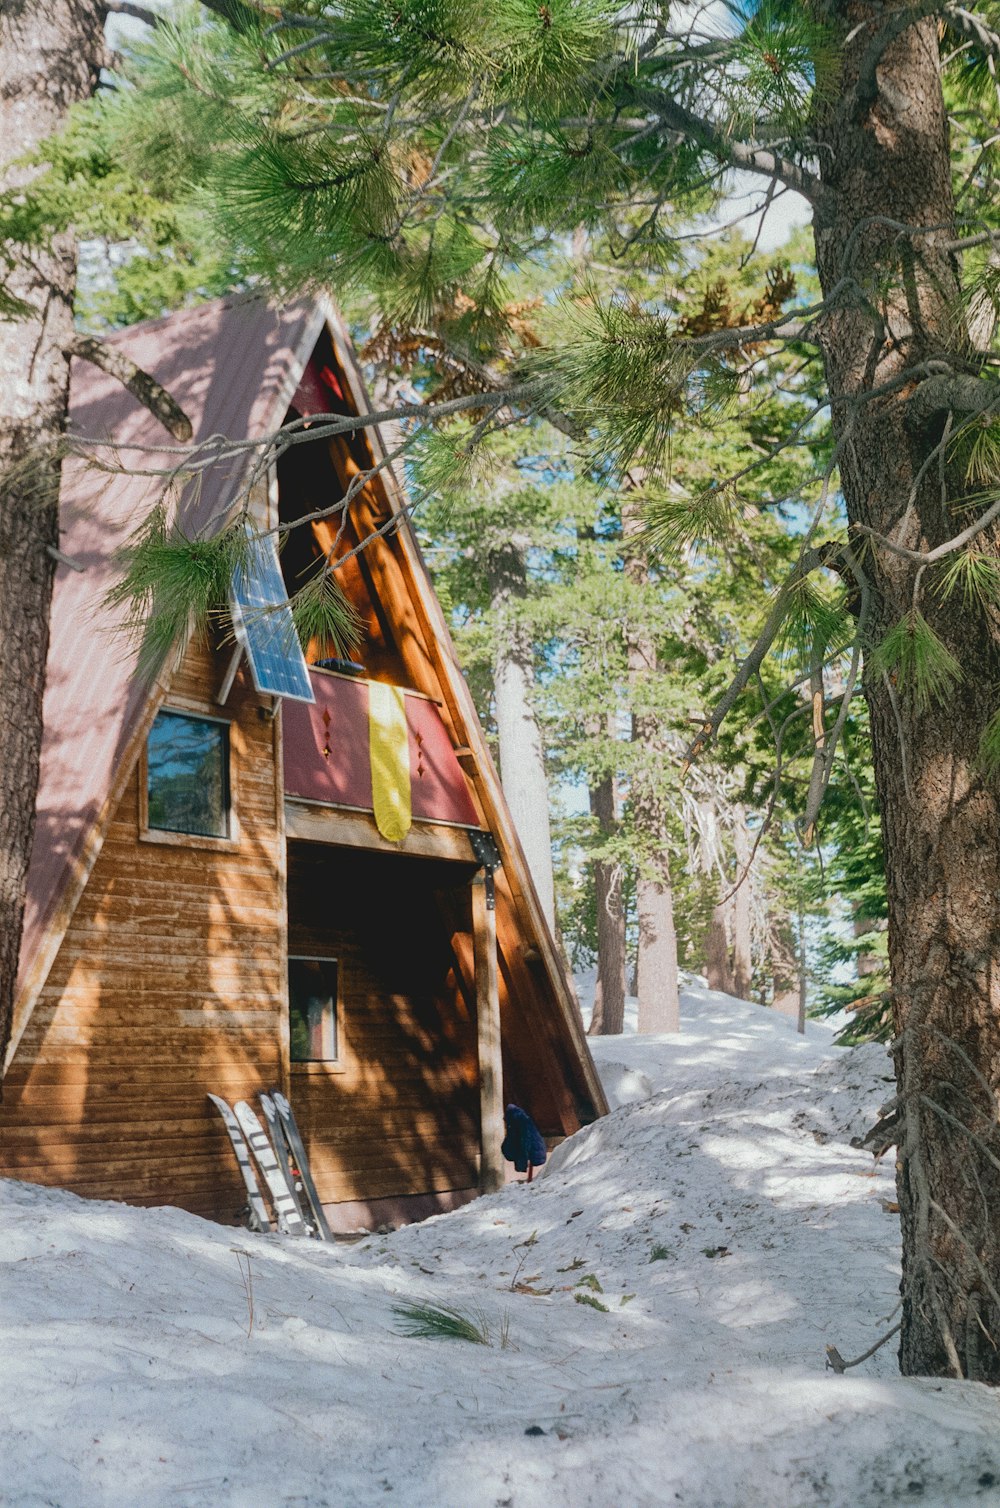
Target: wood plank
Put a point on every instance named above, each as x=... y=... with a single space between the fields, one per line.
x=311 y=822
x=484 y=925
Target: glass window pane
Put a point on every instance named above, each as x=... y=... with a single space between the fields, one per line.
x=312 y=1004
x=187 y=762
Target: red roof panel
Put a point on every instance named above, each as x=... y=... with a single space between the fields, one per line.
x=229 y=365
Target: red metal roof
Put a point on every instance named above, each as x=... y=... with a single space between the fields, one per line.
x=232 y=365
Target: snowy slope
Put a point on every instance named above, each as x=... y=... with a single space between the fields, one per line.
x=733 y=1233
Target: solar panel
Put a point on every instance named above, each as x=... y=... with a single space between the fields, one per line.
x=262 y=622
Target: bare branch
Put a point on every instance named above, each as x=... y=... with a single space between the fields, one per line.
x=137 y=12
x=956 y=393
x=139 y=383
x=836 y=1362
x=738 y=154
x=957 y=18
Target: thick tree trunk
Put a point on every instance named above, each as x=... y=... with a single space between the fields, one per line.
x=609 y=994
x=522 y=755
x=656 y=982
x=886 y=158
x=50 y=53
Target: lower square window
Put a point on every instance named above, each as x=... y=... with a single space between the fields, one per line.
x=312 y=1006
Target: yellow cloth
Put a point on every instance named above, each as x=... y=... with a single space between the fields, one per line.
x=389 y=746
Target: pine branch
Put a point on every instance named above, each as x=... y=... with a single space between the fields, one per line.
x=955 y=393
x=737 y=154
x=809 y=561
x=241 y=16
x=957 y=18
x=139 y=383
x=312 y=427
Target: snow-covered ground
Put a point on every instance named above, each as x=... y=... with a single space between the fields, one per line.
x=722 y=1222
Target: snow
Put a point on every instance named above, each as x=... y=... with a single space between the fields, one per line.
x=732 y=1229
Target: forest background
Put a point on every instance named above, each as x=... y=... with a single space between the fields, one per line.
x=593 y=648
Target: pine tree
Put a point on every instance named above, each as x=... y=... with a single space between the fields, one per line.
x=62 y=42
x=51 y=57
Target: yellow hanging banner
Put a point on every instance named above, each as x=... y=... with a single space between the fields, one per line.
x=389 y=746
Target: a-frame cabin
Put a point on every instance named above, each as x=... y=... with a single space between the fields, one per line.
x=212 y=906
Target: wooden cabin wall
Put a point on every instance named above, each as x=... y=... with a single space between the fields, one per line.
x=398 y=1114
x=169 y=983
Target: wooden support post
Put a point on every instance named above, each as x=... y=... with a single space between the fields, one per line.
x=484 y=929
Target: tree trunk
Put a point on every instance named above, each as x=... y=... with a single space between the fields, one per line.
x=784 y=968
x=800 y=1021
x=609 y=994
x=742 y=913
x=656 y=981
x=867 y=962
x=50 y=53
x=886 y=159
x=716 y=945
x=522 y=756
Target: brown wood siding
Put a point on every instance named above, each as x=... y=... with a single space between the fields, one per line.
x=169 y=983
x=398 y=1114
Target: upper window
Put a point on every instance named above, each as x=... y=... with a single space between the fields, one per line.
x=312 y=1008
x=187 y=775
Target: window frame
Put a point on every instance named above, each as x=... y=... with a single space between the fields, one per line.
x=168 y=835
x=317 y=1065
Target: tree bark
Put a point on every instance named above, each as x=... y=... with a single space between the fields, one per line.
x=716 y=944
x=784 y=968
x=742 y=911
x=609 y=993
x=890 y=158
x=50 y=54
x=656 y=982
x=522 y=755
x=800 y=1019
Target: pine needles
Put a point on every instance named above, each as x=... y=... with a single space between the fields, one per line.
x=171 y=582
x=442 y=1322
x=325 y=617
x=922 y=664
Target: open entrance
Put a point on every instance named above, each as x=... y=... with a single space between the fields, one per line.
x=384 y=1070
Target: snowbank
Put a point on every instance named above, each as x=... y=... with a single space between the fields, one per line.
x=670 y=1282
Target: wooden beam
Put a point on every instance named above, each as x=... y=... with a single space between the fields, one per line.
x=314 y=823
x=484 y=929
